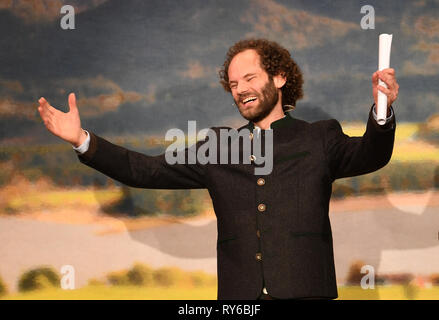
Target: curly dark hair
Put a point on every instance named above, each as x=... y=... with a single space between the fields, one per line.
x=274 y=60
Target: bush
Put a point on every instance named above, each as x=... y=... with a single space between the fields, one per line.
x=140 y=275
x=354 y=275
x=118 y=278
x=96 y=282
x=341 y=191
x=39 y=278
x=135 y=202
x=143 y=275
x=167 y=277
x=201 y=279
x=435 y=279
x=3 y=288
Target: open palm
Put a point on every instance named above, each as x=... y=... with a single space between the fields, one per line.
x=66 y=126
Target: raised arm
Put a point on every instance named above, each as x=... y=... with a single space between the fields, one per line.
x=352 y=156
x=129 y=167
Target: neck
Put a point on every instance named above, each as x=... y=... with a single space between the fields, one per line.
x=275 y=114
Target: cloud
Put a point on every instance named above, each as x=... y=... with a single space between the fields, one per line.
x=421 y=69
x=34 y=11
x=11 y=107
x=95 y=96
x=100 y=95
x=419 y=3
x=424 y=29
x=12 y=86
x=195 y=70
x=295 y=29
x=340 y=73
x=427 y=26
x=427 y=64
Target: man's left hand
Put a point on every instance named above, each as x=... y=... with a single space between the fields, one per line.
x=388 y=77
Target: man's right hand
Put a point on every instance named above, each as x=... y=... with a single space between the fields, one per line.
x=67 y=126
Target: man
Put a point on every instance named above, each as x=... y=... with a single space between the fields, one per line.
x=274 y=234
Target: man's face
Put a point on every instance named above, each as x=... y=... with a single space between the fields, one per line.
x=253 y=91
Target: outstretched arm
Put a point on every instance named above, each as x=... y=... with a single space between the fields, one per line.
x=140 y=170
x=129 y=167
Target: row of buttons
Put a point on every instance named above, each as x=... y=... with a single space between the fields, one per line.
x=261 y=207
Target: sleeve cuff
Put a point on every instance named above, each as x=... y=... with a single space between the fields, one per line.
x=84 y=146
x=387 y=119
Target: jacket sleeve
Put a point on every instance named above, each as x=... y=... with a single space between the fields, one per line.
x=142 y=171
x=352 y=156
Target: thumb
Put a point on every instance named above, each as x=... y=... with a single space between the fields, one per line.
x=72 y=102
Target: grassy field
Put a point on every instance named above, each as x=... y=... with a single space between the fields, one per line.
x=37 y=200
x=404 y=130
x=120 y=293
x=407 y=147
x=208 y=293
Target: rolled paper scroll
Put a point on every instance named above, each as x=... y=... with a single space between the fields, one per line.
x=385 y=44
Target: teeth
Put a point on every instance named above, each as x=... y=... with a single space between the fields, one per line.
x=249 y=99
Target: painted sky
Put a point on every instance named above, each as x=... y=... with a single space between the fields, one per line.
x=150 y=65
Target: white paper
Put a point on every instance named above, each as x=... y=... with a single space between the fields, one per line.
x=385 y=44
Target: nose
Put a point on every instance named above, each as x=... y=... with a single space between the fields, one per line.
x=241 y=87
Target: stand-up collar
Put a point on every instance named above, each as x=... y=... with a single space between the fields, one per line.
x=283 y=122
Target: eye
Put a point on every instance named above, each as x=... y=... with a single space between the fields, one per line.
x=251 y=78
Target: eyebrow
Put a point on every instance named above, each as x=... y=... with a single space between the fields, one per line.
x=246 y=76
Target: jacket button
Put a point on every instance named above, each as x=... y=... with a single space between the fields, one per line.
x=262 y=207
x=258 y=256
x=252 y=158
x=261 y=181
x=258 y=233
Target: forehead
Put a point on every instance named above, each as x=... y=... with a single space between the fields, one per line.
x=245 y=62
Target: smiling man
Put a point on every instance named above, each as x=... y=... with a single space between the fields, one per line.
x=274 y=234
x=258 y=86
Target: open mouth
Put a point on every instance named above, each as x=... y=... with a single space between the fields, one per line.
x=249 y=100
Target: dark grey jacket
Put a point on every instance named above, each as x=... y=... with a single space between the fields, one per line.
x=285 y=244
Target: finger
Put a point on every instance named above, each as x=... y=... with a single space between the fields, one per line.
x=72 y=102
x=390 y=71
x=384 y=90
x=47 y=118
x=47 y=122
x=40 y=110
x=390 y=95
x=47 y=108
x=375 y=78
x=51 y=109
x=42 y=101
x=388 y=74
x=43 y=112
x=388 y=80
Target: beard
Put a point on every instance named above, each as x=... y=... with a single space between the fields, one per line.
x=267 y=100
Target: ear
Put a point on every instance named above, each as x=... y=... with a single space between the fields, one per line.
x=279 y=80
